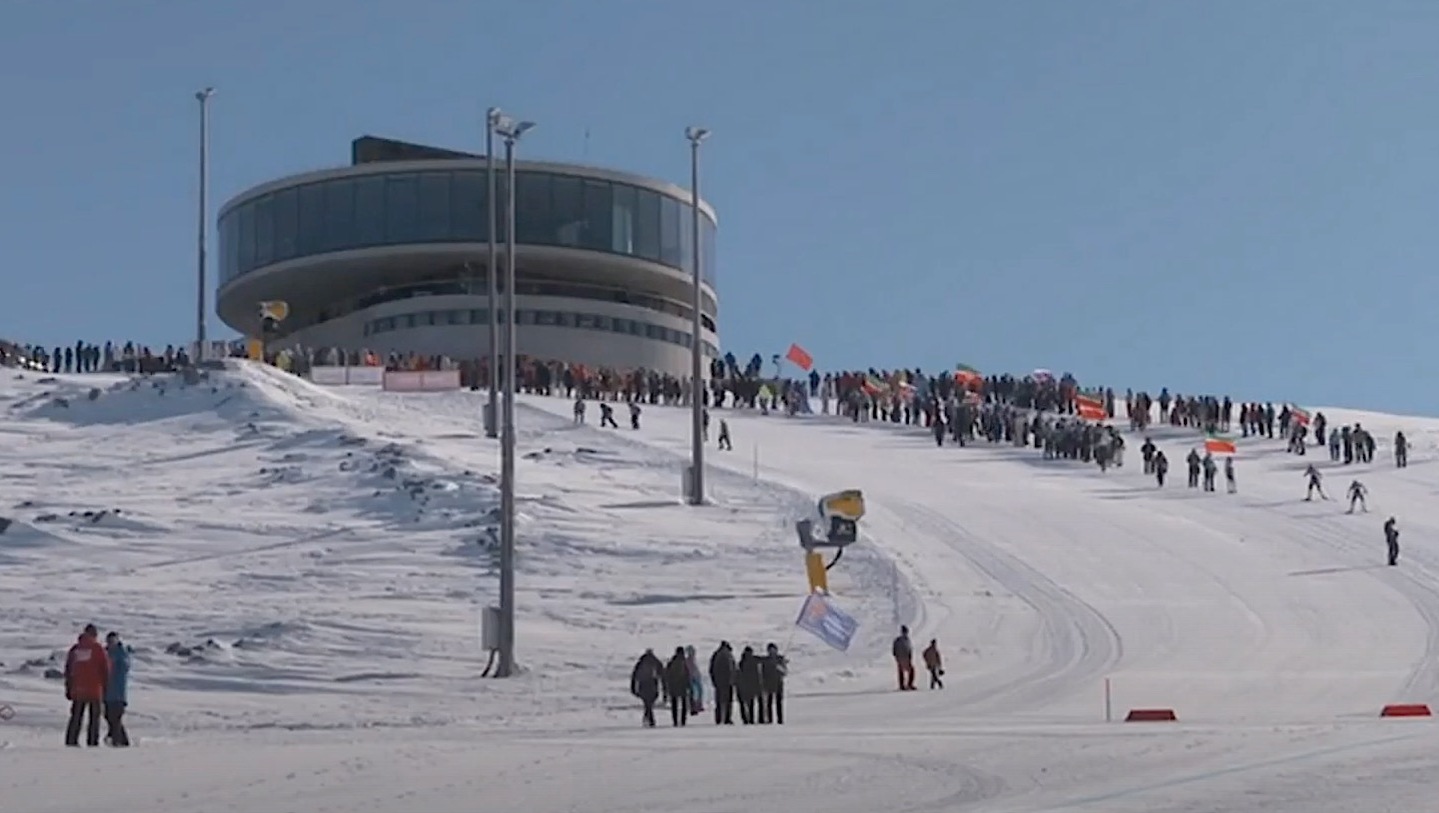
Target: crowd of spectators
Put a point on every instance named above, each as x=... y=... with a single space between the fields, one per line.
x=84 y=357
x=902 y=396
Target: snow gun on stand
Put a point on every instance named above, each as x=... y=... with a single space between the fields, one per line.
x=839 y=516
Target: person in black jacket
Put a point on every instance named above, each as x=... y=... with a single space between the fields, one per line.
x=773 y=668
x=677 y=681
x=722 y=675
x=645 y=683
x=747 y=685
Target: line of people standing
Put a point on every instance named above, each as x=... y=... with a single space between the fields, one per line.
x=754 y=682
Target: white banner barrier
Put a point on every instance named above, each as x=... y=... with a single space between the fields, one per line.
x=422 y=381
x=334 y=376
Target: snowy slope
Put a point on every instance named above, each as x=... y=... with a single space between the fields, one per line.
x=321 y=556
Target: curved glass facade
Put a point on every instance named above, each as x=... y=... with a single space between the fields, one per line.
x=446 y=206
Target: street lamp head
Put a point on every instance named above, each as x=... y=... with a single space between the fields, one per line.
x=205 y=94
x=493 y=116
x=511 y=130
x=696 y=134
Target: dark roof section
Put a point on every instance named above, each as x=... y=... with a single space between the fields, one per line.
x=373 y=150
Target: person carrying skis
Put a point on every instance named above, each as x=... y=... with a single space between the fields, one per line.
x=1357 y=493
x=1315 y=484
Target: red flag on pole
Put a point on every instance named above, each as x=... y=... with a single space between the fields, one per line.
x=799 y=358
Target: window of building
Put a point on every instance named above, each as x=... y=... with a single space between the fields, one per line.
x=310 y=220
x=339 y=215
x=287 y=216
x=647 y=224
x=264 y=231
x=707 y=247
x=568 y=211
x=598 y=232
x=534 y=222
x=543 y=318
x=622 y=233
x=670 y=231
x=402 y=209
x=434 y=208
x=247 y=238
x=369 y=223
x=687 y=239
x=468 y=193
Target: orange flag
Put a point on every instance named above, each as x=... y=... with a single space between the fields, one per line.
x=799 y=358
x=1091 y=409
x=1219 y=445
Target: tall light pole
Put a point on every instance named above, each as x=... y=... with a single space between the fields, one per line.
x=510 y=131
x=204 y=98
x=492 y=409
x=696 y=135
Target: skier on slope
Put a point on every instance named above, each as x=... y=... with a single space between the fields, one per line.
x=607 y=416
x=1229 y=482
x=1391 y=539
x=1357 y=492
x=1315 y=484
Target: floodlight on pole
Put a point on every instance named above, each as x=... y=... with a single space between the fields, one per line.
x=696 y=136
x=510 y=130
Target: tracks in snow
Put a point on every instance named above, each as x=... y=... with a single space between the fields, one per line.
x=1423 y=682
x=1082 y=644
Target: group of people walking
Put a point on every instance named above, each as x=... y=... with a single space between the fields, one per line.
x=752 y=681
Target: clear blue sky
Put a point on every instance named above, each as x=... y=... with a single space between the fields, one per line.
x=1230 y=196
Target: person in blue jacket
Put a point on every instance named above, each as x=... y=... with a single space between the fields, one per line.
x=117 y=690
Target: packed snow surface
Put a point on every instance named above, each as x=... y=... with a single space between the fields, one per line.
x=300 y=572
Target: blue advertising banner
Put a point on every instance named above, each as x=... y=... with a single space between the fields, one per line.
x=826 y=622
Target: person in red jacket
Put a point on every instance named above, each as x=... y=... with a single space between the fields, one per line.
x=87 y=671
